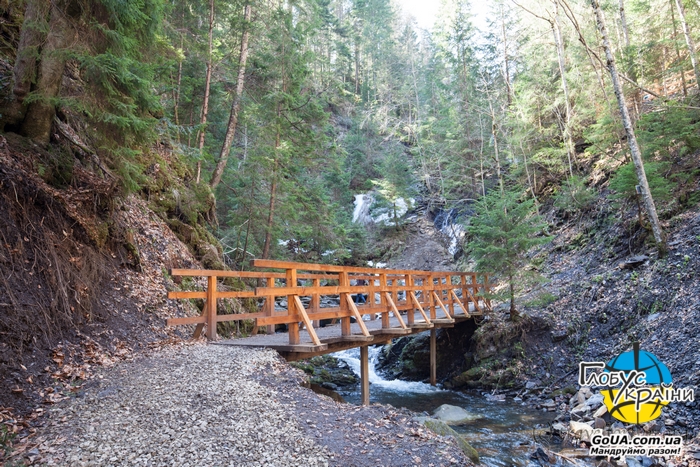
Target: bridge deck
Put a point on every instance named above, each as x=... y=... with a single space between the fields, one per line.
x=333 y=341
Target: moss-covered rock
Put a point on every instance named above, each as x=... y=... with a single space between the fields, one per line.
x=443 y=429
x=327 y=371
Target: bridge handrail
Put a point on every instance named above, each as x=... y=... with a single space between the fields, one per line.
x=398 y=290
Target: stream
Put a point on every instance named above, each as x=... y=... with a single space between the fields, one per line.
x=503 y=436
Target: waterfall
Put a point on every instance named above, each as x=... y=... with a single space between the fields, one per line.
x=381 y=214
x=446 y=223
x=352 y=358
x=361 y=212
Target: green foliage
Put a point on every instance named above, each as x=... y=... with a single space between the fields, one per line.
x=551 y=159
x=542 y=300
x=603 y=133
x=574 y=196
x=671 y=129
x=625 y=180
x=502 y=231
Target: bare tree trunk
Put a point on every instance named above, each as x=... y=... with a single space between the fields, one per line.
x=481 y=156
x=636 y=94
x=176 y=110
x=233 y=119
x=40 y=113
x=689 y=41
x=664 y=66
x=558 y=41
x=271 y=212
x=511 y=290
x=357 y=67
x=678 y=52
x=529 y=180
x=631 y=138
x=207 y=87
x=494 y=135
x=623 y=22
x=506 y=66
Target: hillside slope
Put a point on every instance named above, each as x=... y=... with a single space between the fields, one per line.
x=82 y=278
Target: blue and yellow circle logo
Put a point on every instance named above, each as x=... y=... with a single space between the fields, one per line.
x=632 y=402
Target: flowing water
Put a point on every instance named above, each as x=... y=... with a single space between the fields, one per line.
x=503 y=435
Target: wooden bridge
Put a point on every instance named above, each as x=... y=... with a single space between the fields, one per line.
x=373 y=306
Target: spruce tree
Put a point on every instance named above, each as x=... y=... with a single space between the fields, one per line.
x=502 y=231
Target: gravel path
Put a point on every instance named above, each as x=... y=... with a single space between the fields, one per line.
x=208 y=405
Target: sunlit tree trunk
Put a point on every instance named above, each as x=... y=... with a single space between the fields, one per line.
x=678 y=52
x=178 y=89
x=689 y=41
x=626 y=48
x=506 y=64
x=558 y=41
x=207 y=87
x=496 y=154
x=629 y=130
x=235 y=107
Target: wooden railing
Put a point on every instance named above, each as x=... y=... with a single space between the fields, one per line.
x=387 y=291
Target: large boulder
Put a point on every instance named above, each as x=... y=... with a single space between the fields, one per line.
x=453 y=415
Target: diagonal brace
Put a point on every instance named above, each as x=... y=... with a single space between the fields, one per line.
x=306 y=320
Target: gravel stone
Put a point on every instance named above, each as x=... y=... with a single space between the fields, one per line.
x=213 y=405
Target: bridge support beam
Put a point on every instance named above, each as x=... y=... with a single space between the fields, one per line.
x=364 y=373
x=433 y=359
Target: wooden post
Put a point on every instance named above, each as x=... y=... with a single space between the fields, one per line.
x=428 y=295
x=487 y=301
x=475 y=289
x=270 y=306
x=364 y=373
x=452 y=288
x=211 y=308
x=433 y=359
x=291 y=278
x=411 y=312
x=370 y=297
x=465 y=300
x=344 y=281
x=384 y=303
x=316 y=302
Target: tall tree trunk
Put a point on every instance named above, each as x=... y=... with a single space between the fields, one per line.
x=678 y=52
x=558 y=41
x=506 y=65
x=207 y=87
x=623 y=23
x=494 y=135
x=271 y=210
x=176 y=109
x=357 y=66
x=636 y=94
x=631 y=138
x=31 y=38
x=40 y=113
x=689 y=41
x=233 y=119
x=511 y=291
